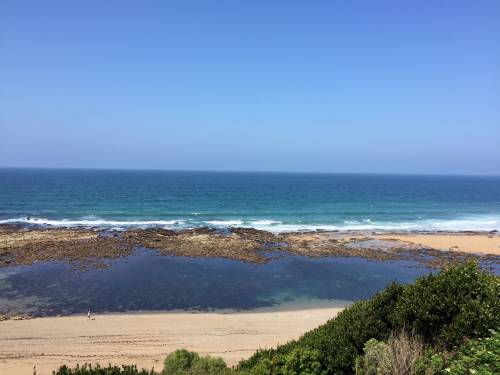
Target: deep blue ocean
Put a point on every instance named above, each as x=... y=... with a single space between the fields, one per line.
x=270 y=201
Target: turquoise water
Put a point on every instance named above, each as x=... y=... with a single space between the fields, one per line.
x=271 y=201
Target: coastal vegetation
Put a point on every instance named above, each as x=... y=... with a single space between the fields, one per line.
x=444 y=323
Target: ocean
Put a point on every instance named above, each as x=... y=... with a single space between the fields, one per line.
x=270 y=201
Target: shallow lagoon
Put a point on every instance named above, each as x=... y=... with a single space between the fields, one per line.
x=149 y=281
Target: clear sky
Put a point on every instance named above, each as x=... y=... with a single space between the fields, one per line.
x=334 y=86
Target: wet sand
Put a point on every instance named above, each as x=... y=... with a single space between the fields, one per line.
x=145 y=338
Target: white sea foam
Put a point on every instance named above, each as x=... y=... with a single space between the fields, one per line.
x=257 y=224
x=470 y=223
x=87 y=222
x=463 y=224
x=225 y=223
x=265 y=222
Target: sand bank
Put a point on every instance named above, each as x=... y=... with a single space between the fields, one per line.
x=146 y=338
x=472 y=243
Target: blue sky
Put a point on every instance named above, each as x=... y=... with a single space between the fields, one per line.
x=332 y=86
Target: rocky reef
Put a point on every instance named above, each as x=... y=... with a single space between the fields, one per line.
x=24 y=246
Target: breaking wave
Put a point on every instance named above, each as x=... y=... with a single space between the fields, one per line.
x=476 y=223
x=90 y=222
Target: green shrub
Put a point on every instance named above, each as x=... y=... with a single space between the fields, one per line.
x=299 y=361
x=368 y=364
x=88 y=369
x=184 y=362
x=431 y=362
x=479 y=357
x=461 y=302
x=210 y=365
x=476 y=357
x=302 y=361
x=179 y=362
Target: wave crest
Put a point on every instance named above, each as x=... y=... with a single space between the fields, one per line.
x=477 y=223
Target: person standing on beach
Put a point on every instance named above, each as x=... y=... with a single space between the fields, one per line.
x=88 y=315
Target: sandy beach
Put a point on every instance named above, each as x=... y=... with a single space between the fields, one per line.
x=145 y=338
x=472 y=243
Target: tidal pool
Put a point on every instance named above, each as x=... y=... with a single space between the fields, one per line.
x=147 y=280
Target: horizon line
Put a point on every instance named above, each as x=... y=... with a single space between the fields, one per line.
x=250 y=171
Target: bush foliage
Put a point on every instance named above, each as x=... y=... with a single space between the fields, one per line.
x=452 y=305
x=479 y=357
x=88 y=369
x=184 y=362
x=300 y=361
x=476 y=357
x=180 y=362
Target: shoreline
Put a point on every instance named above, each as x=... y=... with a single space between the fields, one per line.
x=484 y=222
x=221 y=226
x=145 y=338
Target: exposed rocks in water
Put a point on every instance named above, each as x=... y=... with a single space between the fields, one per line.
x=24 y=247
x=88 y=247
x=256 y=234
x=202 y=242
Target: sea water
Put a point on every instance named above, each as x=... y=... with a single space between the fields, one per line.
x=270 y=201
